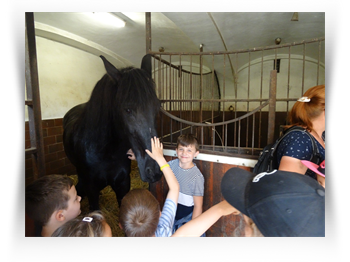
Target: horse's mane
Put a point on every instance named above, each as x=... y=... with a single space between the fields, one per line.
x=137 y=89
x=98 y=120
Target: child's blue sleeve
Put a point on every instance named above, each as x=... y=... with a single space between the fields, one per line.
x=166 y=220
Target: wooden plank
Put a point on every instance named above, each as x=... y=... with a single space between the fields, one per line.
x=272 y=107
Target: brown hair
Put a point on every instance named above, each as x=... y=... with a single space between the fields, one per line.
x=139 y=213
x=303 y=113
x=46 y=195
x=186 y=140
x=79 y=228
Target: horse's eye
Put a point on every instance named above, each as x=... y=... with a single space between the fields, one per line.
x=128 y=110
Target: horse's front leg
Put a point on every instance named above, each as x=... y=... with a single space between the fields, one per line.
x=121 y=184
x=93 y=195
x=92 y=186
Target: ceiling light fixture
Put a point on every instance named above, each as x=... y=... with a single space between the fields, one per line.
x=108 y=18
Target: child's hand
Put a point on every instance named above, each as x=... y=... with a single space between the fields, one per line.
x=157 y=150
x=131 y=154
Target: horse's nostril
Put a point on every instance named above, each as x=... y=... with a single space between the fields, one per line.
x=149 y=171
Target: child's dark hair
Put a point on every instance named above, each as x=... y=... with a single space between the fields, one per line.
x=46 y=195
x=186 y=140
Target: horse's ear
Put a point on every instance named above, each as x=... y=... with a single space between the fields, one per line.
x=112 y=71
x=146 y=64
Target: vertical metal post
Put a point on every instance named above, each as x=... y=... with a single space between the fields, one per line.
x=33 y=97
x=272 y=107
x=148 y=33
x=200 y=93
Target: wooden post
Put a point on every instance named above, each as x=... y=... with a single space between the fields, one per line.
x=272 y=107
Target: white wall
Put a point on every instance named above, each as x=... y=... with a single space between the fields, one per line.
x=67 y=76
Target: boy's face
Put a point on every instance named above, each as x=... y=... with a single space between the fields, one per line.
x=186 y=153
x=73 y=209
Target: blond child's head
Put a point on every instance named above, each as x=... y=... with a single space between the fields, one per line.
x=139 y=213
x=91 y=225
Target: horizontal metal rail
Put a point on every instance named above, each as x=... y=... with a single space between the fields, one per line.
x=240 y=51
x=214 y=124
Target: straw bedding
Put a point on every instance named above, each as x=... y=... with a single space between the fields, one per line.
x=108 y=201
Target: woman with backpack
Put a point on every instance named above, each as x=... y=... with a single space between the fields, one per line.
x=309 y=113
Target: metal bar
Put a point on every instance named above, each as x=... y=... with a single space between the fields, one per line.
x=272 y=106
x=253 y=128
x=261 y=88
x=288 y=84
x=200 y=95
x=318 y=62
x=148 y=33
x=303 y=77
x=32 y=85
x=191 y=93
x=235 y=108
x=175 y=66
x=181 y=93
x=31 y=150
x=248 y=93
x=159 y=73
x=170 y=89
x=214 y=124
x=28 y=103
x=230 y=100
x=243 y=50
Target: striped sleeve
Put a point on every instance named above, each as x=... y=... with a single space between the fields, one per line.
x=166 y=220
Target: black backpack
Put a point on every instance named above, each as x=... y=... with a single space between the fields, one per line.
x=267 y=160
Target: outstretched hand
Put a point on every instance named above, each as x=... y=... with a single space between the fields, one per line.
x=157 y=150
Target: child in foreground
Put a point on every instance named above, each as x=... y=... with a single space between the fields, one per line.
x=140 y=214
x=51 y=201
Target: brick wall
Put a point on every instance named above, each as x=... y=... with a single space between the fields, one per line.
x=56 y=161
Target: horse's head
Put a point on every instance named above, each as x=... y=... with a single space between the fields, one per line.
x=136 y=111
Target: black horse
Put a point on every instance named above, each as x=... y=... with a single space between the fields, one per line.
x=121 y=114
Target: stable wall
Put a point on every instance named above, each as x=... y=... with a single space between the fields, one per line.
x=56 y=161
x=67 y=76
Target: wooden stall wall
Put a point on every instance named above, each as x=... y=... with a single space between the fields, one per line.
x=232 y=225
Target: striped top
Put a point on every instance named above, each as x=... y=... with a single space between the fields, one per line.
x=191 y=183
x=166 y=220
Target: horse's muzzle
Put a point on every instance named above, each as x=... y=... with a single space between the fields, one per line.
x=152 y=176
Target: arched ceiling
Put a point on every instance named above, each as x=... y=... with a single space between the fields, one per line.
x=179 y=31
